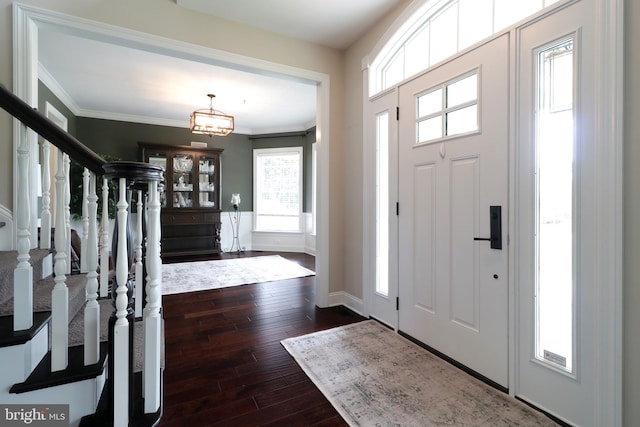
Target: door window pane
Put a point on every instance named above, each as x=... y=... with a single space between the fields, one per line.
x=555 y=293
x=459 y=109
x=463 y=120
x=430 y=129
x=430 y=103
x=462 y=91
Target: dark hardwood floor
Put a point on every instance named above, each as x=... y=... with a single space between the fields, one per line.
x=225 y=365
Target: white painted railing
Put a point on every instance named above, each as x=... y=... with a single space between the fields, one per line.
x=104 y=241
x=45 y=215
x=92 y=308
x=138 y=257
x=147 y=256
x=152 y=316
x=23 y=274
x=60 y=293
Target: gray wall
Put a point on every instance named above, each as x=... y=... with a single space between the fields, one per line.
x=45 y=95
x=120 y=139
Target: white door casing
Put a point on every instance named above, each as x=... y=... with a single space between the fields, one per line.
x=453 y=290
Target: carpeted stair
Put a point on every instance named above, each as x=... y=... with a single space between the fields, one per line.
x=42 y=299
x=42 y=289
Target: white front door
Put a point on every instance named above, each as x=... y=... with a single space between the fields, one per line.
x=453 y=167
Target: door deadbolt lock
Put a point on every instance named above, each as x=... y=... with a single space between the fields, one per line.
x=495 y=226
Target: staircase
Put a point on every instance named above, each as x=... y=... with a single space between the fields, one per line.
x=32 y=382
x=75 y=339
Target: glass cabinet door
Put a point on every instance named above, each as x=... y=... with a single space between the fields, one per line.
x=182 y=181
x=207 y=181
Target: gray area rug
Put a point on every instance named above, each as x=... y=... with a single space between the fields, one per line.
x=202 y=275
x=375 y=377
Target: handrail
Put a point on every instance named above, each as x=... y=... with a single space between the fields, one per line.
x=50 y=131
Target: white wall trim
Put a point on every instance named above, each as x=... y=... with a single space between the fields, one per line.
x=348 y=300
x=265 y=241
x=27 y=18
x=25 y=86
x=608 y=305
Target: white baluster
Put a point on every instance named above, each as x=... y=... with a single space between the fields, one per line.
x=121 y=328
x=92 y=308
x=139 y=279
x=85 y=221
x=152 y=317
x=60 y=293
x=45 y=216
x=67 y=209
x=104 y=241
x=23 y=274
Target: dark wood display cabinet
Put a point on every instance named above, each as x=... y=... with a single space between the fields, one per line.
x=190 y=214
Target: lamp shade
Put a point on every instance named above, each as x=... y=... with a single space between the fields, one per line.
x=235 y=199
x=211 y=122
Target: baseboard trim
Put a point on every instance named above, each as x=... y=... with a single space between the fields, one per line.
x=344 y=298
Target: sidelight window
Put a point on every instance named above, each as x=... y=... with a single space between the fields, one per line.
x=555 y=201
x=382 y=203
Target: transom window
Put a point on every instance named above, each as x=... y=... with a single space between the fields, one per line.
x=447 y=110
x=438 y=30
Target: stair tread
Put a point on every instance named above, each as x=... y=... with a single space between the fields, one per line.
x=76 y=326
x=42 y=295
x=9 y=337
x=9 y=262
x=42 y=377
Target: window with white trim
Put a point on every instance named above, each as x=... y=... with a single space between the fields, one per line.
x=277 y=183
x=438 y=30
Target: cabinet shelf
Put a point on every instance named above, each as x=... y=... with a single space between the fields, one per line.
x=190 y=215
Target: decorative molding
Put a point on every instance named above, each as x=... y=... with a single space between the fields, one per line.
x=27 y=18
x=608 y=304
x=50 y=82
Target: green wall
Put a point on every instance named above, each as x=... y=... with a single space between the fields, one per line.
x=44 y=96
x=120 y=139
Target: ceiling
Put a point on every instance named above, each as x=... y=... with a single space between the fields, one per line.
x=104 y=80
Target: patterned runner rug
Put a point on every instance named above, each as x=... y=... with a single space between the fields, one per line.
x=375 y=377
x=202 y=275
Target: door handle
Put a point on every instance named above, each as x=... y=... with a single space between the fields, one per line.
x=495 y=228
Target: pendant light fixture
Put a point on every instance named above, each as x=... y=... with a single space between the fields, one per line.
x=211 y=122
